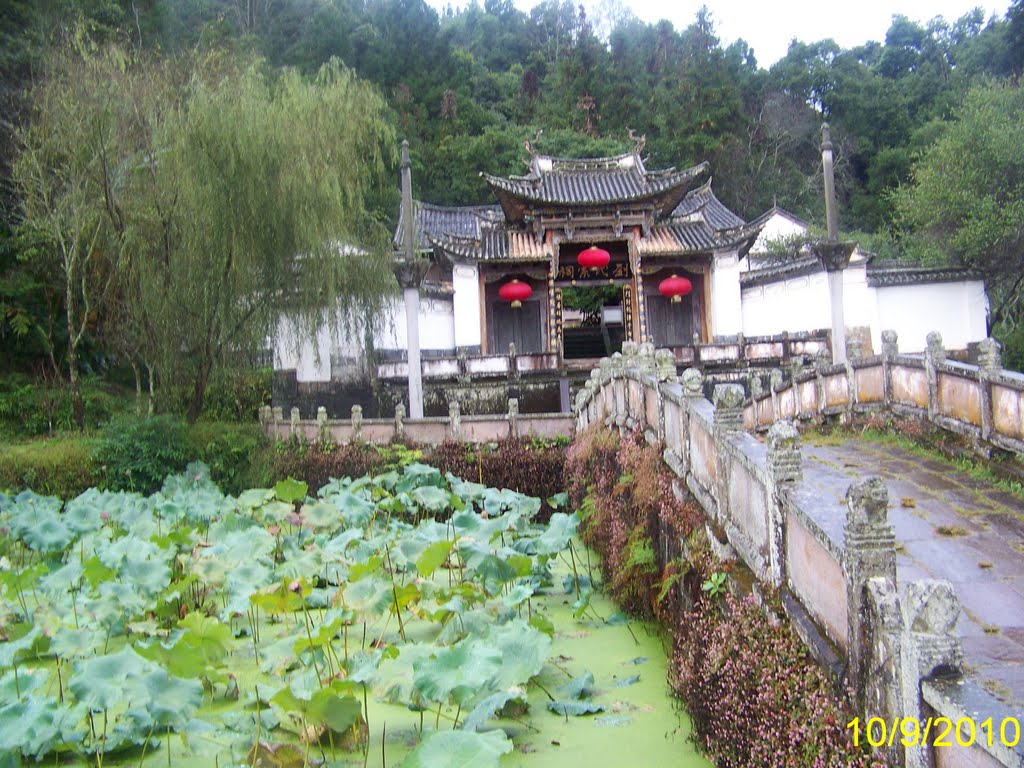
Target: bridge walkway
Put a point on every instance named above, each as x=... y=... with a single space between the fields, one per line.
x=949 y=525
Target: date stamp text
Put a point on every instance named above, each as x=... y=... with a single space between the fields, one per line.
x=937 y=731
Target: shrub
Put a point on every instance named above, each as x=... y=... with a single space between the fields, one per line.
x=60 y=466
x=31 y=407
x=238 y=455
x=625 y=492
x=754 y=696
x=137 y=454
x=532 y=467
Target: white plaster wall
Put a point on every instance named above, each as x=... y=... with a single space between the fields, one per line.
x=466 y=318
x=312 y=361
x=726 y=298
x=437 y=326
x=956 y=310
x=798 y=304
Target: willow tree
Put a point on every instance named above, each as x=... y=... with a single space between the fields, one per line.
x=252 y=208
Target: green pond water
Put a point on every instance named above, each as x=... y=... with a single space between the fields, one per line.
x=642 y=723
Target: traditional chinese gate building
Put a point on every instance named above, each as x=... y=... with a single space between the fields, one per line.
x=653 y=225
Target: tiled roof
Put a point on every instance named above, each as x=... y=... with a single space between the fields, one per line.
x=883 y=274
x=494 y=243
x=702 y=200
x=437 y=220
x=589 y=182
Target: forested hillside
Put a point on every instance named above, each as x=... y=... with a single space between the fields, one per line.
x=467 y=88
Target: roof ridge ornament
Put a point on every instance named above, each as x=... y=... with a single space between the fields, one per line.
x=638 y=141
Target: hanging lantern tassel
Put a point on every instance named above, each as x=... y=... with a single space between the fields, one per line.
x=594 y=258
x=515 y=293
x=675 y=288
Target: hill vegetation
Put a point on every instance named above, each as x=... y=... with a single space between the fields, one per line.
x=468 y=87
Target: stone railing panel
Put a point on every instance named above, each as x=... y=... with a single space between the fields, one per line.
x=814 y=570
x=837 y=391
x=870 y=384
x=746 y=510
x=909 y=386
x=1008 y=411
x=959 y=397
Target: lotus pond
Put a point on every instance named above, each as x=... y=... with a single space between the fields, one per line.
x=405 y=619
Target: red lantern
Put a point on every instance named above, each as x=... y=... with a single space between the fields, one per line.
x=515 y=292
x=594 y=258
x=675 y=288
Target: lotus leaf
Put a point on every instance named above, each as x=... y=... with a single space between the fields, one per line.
x=523 y=651
x=490 y=706
x=291 y=490
x=458 y=673
x=459 y=749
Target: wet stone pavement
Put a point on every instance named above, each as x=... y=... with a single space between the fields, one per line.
x=950 y=526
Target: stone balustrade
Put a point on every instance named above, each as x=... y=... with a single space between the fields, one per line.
x=426 y=431
x=982 y=402
x=834 y=566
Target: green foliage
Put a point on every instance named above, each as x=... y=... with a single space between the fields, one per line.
x=238 y=454
x=966 y=204
x=715 y=585
x=233 y=395
x=138 y=603
x=30 y=407
x=137 y=454
x=454 y=749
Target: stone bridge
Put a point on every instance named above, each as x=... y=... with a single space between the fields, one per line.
x=875 y=592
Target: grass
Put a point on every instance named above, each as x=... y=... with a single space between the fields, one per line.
x=951 y=531
x=927 y=442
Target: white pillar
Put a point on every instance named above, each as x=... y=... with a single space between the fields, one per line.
x=412 y=324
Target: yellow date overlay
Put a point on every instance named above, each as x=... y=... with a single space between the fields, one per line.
x=937 y=731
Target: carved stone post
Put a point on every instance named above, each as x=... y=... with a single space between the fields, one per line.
x=321 y=423
x=513 y=417
x=821 y=362
x=756 y=387
x=277 y=415
x=645 y=361
x=357 y=422
x=454 y=420
x=989 y=364
x=930 y=646
x=934 y=355
x=728 y=402
x=870 y=548
x=399 y=421
x=775 y=384
x=665 y=365
x=693 y=382
x=294 y=421
x=785 y=469
x=890 y=348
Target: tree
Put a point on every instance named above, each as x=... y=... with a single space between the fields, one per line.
x=252 y=208
x=68 y=172
x=187 y=206
x=966 y=202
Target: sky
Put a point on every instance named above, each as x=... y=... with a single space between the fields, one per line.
x=769 y=25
